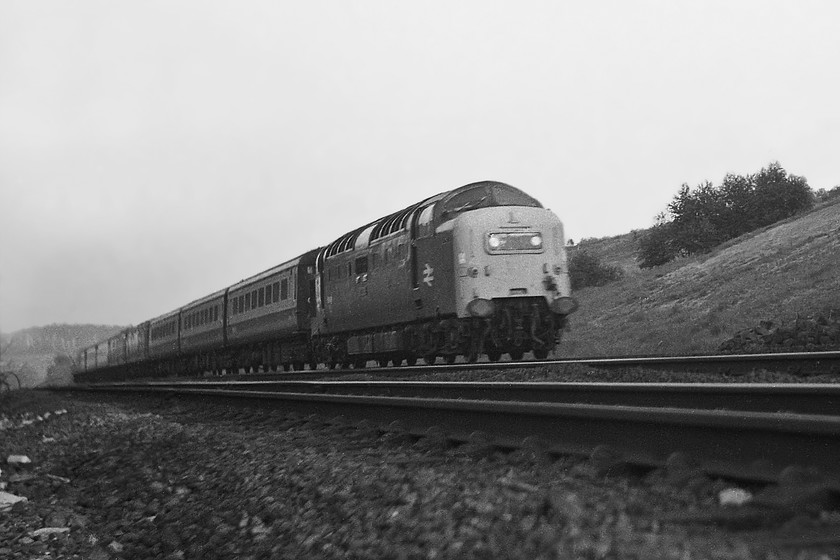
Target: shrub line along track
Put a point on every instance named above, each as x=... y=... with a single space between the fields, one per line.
x=745 y=442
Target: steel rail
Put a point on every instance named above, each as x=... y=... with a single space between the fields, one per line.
x=804 y=363
x=791 y=397
x=740 y=444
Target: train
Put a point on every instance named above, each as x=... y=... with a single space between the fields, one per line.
x=477 y=270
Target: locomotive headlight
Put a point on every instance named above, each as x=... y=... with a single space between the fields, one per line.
x=514 y=242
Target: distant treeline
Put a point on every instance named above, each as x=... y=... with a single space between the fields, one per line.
x=56 y=338
x=701 y=218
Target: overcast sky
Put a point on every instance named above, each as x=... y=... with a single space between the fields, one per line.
x=153 y=152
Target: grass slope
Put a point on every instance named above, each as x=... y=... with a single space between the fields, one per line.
x=693 y=304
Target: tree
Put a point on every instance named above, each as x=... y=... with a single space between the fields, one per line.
x=586 y=269
x=701 y=218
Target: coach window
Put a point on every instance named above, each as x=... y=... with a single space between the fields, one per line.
x=284 y=289
x=248 y=301
x=349 y=269
x=254 y=299
x=261 y=297
x=275 y=290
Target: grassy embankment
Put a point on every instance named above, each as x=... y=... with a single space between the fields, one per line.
x=691 y=305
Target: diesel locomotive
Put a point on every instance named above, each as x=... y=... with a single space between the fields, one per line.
x=480 y=269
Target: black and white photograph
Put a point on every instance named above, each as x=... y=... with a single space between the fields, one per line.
x=362 y=279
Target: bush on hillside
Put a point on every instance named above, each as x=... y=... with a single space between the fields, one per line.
x=818 y=333
x=587 y=270
x=699 y=219
x=822 y=195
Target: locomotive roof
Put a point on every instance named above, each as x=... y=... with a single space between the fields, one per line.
x=399 y=221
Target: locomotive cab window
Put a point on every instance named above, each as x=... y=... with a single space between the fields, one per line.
x=484 y=195
x=361 y=265
x=424 y=221
x=504 y=195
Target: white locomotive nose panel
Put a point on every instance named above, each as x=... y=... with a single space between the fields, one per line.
x=499 y=257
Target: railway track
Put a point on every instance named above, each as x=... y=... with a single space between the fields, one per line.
x=801 y=398
x=752 y=432
x=798 y=363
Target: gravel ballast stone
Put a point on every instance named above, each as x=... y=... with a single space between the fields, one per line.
x=163 y=478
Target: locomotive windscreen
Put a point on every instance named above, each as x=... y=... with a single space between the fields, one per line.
x=483 y=195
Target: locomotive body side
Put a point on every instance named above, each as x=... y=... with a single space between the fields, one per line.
x=480 y=269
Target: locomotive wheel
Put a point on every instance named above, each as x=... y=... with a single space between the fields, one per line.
x=287 y=366
x=541 y=353
x=360 y=363
x=298 y=365
x=450 y=358
x=430 y=359
x=516 y=355
x=493 y=353
x=383 y=362
x=411 y=360
x=332 y=364
x=472 y=357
